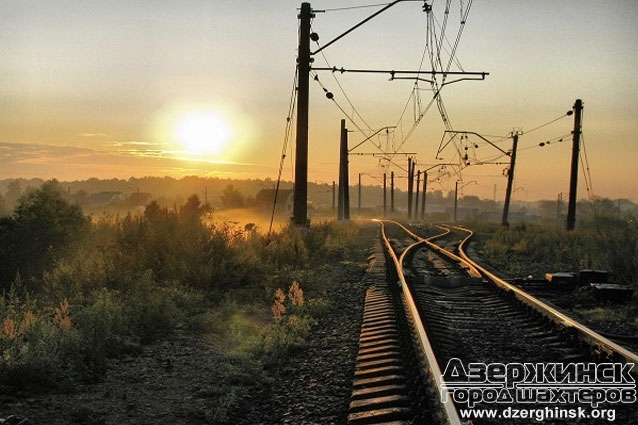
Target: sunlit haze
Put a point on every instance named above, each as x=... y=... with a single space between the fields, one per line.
x=119 y=89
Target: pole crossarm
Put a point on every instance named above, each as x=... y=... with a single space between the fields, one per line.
x=393 y=73
x=438 y=165
x=371 y=136
x=480 y=137
x=482 y=76
x=369 y=18
x=382 y=155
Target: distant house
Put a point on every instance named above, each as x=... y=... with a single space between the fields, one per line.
x=102 y=199
x=266 y=197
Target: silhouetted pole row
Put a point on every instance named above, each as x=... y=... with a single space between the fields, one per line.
x=573 y=180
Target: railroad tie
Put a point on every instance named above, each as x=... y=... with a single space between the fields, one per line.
x=380 y=388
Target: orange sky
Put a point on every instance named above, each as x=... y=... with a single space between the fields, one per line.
x=102 y=89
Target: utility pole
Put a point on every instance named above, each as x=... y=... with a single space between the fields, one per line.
x=425 y=187
x=385 y=195
x=510 y=180
x=344 y=180
x=410 y=183
x=416 y=201
x=456 y=198
x=391 y=193
x=558 y=203
x=300 y=202
x=573 y=180
x=359 y=198
x=333 y=196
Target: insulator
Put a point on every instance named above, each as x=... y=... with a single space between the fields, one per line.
x=329 y=95
x=314 y=37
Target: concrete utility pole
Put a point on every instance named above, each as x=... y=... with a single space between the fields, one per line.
x=510 y=180
x=391 y=193
x=359 y=198
x=344 y=179
x=385 y=195
x=418 y=187
x=300 y=201
x=410 y=183
x=334 y=196
x=573 y=180
x=425 y=187
x=456 y=198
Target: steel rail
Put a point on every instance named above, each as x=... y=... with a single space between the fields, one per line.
x=587 y=334
x=468 y=266
x=433 y=369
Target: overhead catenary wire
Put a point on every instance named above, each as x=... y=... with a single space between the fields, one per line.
x=585 y=164
x=346 y=8
x=354 y=109
x=435 y=45
x=284 y=148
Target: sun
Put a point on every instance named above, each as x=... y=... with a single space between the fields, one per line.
x=202 y=133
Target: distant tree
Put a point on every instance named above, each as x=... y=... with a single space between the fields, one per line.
x=79 y=196
x=192 y=207
x=42 y=228
x=14 y=191
x=4 y=210
x=232 y=198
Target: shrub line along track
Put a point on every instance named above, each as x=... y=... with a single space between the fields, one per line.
x=566 y=337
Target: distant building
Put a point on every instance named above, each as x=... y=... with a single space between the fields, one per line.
x=266 y=197
x=102 y=199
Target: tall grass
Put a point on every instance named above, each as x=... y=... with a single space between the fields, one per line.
x=610 y=244
x=135 y=279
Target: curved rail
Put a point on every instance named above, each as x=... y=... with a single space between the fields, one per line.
x=467 y=265
x=587 y=334
x=434 y=371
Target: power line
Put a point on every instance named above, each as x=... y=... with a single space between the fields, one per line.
x=284 y=148
x=342 y=9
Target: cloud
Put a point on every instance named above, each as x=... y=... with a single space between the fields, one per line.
x=121 y=160
x=92 y=135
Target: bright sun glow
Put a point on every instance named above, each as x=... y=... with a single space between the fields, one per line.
x=203 y=133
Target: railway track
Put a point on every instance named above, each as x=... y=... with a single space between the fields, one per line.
x=483 y=347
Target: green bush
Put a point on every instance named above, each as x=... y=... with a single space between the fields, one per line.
x=149 y=310
x=38 y=349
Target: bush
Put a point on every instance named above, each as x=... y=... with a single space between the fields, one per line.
x=292 y=324
x=37 y=350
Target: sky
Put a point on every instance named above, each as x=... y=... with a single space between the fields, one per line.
x=119 y=89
